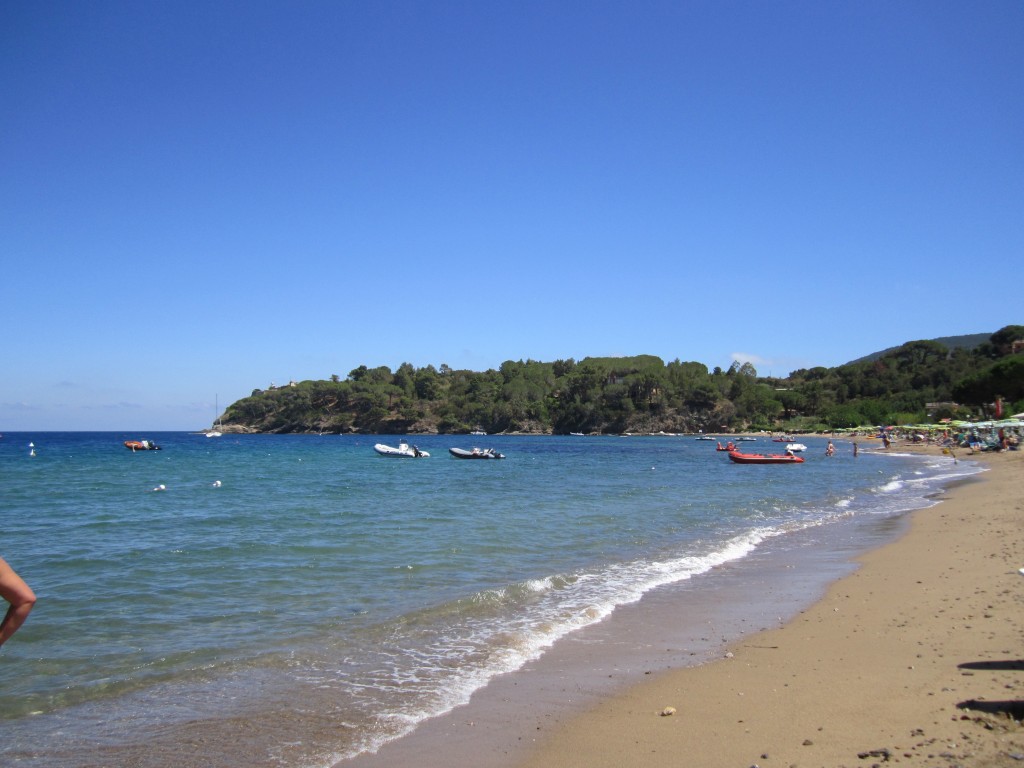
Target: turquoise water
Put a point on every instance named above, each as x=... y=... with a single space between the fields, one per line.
x=297 y=599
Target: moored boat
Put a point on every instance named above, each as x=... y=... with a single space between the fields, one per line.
x=762 y=458
x=794 y=447
x=141 y=445
x=215 y=432
x=476 y=453
x=403 y=451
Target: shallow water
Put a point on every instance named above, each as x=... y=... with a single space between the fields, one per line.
x=321 y=600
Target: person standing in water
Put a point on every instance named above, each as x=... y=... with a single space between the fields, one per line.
x=15 y=591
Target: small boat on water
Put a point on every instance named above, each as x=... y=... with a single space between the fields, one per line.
x=403 y=451
x=141 y=445
x=215 y=432
x=794 y=447
x=476 y=453
x=761 y=458
x=730 y=446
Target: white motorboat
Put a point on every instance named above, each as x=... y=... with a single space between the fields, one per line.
x=476 y=453
x=403 y=451
x=794 y=447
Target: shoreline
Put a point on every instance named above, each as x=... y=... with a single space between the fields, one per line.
x=913 y=657
x=674 y=629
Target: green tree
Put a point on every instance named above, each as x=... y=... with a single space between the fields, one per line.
x=843 y=417
x=1000 y=343
x=1004 y=378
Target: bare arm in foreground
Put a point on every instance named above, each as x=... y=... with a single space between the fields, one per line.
x=21 y=597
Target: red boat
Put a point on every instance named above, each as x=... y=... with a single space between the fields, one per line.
x=761 y=458
x=141 y=445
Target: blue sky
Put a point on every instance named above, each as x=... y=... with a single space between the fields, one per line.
x=200 y=198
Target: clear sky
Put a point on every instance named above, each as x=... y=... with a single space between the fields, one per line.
x=200 y=198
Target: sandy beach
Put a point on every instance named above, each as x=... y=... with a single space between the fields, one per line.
x=916 y=658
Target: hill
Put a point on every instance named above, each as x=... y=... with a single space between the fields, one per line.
x=956 y=377
x=969 y=341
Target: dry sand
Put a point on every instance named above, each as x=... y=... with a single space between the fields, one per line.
x=917 y=658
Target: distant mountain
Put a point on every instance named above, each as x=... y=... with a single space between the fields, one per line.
x=969 y=341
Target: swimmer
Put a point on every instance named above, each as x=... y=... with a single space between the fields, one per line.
x=160 y=487
x=216 y=483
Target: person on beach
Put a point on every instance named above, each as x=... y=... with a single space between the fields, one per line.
x=21 y=597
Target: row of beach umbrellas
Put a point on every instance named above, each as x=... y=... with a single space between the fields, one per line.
x=1014 y=422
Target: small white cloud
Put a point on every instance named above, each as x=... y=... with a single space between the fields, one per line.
x=746 y=357
x=770 y=366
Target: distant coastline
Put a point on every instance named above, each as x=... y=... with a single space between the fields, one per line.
x=918 y=382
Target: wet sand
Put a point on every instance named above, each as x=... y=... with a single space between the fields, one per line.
x=917 y=657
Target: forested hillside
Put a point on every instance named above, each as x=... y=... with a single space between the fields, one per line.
x=919 y=381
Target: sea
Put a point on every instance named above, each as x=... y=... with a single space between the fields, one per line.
x=299 y=601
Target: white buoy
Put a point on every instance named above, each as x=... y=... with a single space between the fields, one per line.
x=216 y=483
